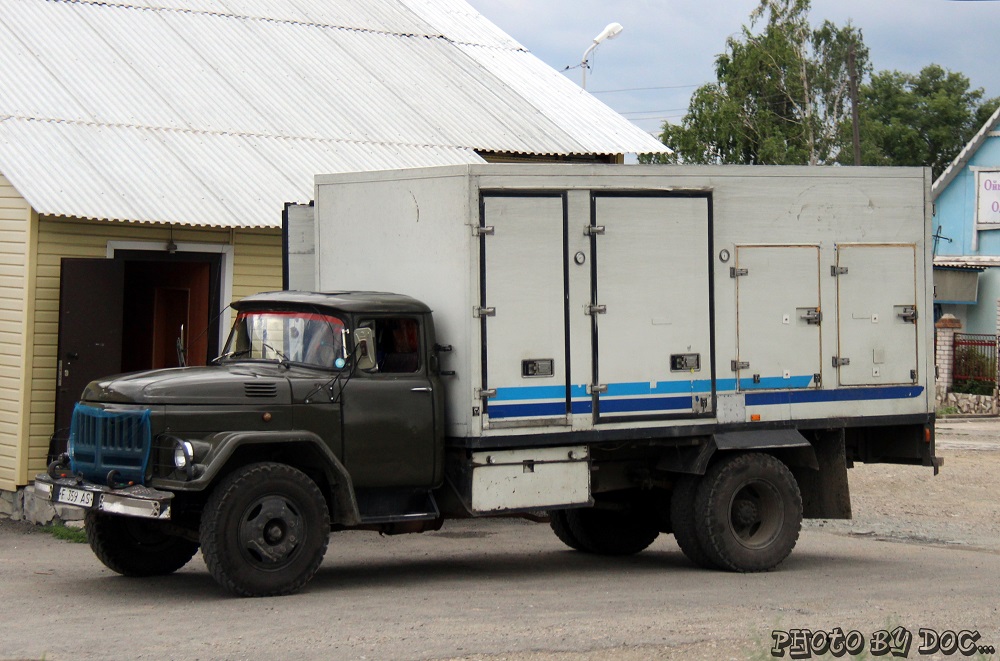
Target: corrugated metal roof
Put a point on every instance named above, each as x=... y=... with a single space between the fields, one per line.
x=970 y=262
x=216 y=112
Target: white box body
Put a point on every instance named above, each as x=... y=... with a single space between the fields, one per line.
x=598 y=301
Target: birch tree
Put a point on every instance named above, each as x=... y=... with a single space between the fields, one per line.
x=781 y=96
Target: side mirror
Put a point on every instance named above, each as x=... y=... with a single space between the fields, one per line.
x=364 y=348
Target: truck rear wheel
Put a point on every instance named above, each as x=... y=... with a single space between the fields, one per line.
x=625 y=529
x=749 y=511
x=264 y=530
x=682 y=519
x=136 y=547
x=560 y=526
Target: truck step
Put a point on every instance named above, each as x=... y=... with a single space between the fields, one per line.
x=391 y=505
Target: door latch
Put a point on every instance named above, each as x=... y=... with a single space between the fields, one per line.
x=485 y=393
x=596 y=309
x=812 y=316
x=597 y=388
x=484 y=312
x=737 y=365
x=908 y=314
x=841 y=362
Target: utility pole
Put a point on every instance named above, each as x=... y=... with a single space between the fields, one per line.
x=855 y=122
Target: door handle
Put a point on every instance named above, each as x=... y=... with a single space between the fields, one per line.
x=422 y=389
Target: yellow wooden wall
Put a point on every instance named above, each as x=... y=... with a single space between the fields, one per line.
x=16 y=221
x=256 y=267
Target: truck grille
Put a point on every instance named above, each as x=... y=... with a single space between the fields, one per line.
x=102 y=441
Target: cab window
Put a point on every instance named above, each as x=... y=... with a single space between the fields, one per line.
x=397 y=344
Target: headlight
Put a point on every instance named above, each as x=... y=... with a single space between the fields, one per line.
x=183 y=454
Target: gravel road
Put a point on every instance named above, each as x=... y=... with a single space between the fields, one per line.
x=922 y=551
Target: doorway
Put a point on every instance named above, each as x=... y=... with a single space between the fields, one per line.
x=135 y=312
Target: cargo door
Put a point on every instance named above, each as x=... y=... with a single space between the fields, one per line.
x=523 y=307
x=778 y=317
x=651 y=306
x=877 y=313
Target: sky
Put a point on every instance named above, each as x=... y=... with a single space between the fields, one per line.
x=671 y=45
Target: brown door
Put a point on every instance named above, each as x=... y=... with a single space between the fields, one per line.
x=171 y=322
x=91 y=294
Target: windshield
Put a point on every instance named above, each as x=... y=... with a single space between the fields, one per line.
x=298 y=337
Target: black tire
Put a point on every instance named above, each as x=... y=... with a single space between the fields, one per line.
x=136 y=547
x=264 y=530
x=560 y=526
x=618 y=528
x=749 y=512
x=683 y=520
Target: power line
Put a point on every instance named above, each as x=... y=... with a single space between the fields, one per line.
x=654 y=112
x=643 y=89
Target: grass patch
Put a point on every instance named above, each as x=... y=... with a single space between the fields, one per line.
x=67 y=534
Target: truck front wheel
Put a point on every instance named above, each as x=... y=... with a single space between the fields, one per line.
x=264 y=530
x=748 y=512
x=136 y=547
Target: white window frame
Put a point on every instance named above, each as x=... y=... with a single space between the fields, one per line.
x=977 y=225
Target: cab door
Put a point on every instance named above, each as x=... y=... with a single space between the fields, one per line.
x=392 y=437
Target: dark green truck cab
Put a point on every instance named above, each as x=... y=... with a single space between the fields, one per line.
x=324 y=412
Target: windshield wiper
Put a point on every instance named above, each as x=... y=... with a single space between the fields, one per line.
x=230 y=354
x=282 y=357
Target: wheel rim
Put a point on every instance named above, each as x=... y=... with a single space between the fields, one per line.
x=756 y=514
x=271 y=532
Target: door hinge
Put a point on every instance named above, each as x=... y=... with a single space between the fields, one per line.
x=812 y=316
x=838 y=270
x=485 y=393
x=593 y=230
x=913 y=375
x=737 y=365
x=909 y=314
x=484 y=312
x=486 y=230
x=841 y=362
x=818 y=379
x=597 y=389
x=736 y=273
x=596 y=309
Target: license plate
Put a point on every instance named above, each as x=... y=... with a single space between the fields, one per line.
x=79 y=497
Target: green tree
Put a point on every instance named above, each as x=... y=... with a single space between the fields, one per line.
x=922 y=119
x=781 y=96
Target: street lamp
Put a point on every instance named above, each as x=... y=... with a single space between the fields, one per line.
x=610 y=32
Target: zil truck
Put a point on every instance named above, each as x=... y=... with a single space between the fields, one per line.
x=625 y=351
